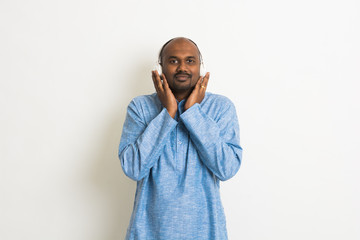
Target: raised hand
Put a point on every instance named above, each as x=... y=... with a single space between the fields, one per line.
x=198 y=93
x=164 y=93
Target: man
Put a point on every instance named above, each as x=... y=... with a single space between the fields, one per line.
x=178 y=143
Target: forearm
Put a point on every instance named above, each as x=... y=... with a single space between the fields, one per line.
x=140 y=147
x=218 y=146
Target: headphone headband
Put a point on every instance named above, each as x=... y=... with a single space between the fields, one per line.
x=162 y=50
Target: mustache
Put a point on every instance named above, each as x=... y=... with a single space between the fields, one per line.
x=183 y=73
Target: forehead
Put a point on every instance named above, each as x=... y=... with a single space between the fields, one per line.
x=181 y=48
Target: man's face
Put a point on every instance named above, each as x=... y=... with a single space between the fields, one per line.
x=181 y=65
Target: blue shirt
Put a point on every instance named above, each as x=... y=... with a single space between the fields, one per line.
x=177 y=164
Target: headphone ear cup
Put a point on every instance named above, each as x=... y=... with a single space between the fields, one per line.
x=202 y=69
x=158 y=68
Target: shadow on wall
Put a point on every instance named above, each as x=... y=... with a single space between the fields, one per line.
x=116 y=189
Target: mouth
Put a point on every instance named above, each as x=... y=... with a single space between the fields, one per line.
x=182 y=77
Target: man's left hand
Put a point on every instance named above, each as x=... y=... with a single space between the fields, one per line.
x=198 y=93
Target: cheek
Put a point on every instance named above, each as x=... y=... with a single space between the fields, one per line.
x=166 y=71
x=196 y=73
x=168 y=68
x=196 y=70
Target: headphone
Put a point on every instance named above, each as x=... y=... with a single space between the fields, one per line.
x=202 y=68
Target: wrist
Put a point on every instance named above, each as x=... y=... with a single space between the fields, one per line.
x=172 y=112
x=187 y=106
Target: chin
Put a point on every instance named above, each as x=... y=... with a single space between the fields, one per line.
x=181 y=88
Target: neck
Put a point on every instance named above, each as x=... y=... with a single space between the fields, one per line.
x=182 y=95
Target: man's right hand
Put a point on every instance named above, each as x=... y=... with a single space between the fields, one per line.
x=164 y=93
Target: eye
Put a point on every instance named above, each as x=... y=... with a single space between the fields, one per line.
x=173 y=61
x=191 y=61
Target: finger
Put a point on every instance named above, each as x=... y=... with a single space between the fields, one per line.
x=201 y=84
x=156 y=85
x=167 y=88
x=198 y=83
x=205 y=80
x=165 y=83
x=158 y=81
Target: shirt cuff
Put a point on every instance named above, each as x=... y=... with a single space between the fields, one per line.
x=193 y=114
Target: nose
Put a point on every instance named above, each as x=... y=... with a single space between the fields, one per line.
x=181 y=67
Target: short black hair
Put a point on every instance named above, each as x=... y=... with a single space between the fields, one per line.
x=162 y=49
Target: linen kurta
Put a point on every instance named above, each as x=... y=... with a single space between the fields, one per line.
x=178 y=164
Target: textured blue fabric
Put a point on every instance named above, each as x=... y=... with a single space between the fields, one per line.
x=177 y=164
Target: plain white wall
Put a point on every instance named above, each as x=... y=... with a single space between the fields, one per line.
x=68 y=69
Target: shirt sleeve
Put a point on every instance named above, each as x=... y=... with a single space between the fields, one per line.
x=217 y=142
x=141 y=144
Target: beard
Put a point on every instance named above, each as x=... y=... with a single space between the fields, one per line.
x=181 y=82
x=179 y=88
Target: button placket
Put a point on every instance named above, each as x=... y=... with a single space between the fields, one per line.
x=180 y=140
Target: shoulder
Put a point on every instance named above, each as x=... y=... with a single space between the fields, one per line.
x=217 y=100
x=149 y=98
x=145 y=106
x=145 y=101
x=218 y=106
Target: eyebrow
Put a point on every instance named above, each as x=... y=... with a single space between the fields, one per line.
x=177 y=57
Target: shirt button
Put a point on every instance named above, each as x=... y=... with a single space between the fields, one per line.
x=179 y=142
